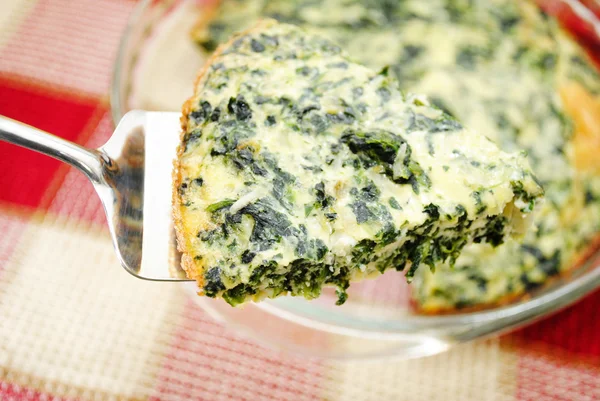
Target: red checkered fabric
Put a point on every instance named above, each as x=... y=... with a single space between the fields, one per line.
x=75 y=326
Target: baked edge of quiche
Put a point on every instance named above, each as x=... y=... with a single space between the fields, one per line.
x=183 y=246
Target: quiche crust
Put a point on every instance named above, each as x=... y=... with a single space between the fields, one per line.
x=183 y=245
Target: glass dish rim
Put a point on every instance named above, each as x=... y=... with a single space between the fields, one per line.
x=491 y=320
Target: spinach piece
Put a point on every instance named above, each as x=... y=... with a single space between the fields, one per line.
x=362 y=251
x=331 y=216
x=220 y=205
x=440 y=104
x=394 y=204
x=433 y=211
x=469 y=56
x=244 y=159
x=271 y=162
x=590 y=197
x=281 y=193
x=480 y=206
x=238 y=294
x=362 y=212
x=256 y=46
x=212 y=282
x=494 y=231
x=191 y=137
x=231 y=134
x=366 y=206
x=379 y=147
x=247 y=256
x=239 y=107
x=322 y=201
x=270 y=121
x=549 y=265
x=376 y=147
x=182 y=188
x=520 y=192
x=508 y=22
x=269 y=224
x=201 y=114
x=444 y=123
x=215 y=114
x=306 y=278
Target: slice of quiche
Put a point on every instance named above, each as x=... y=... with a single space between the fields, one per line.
x=298 y=168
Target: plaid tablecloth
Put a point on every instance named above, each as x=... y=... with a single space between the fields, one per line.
x=75 y=326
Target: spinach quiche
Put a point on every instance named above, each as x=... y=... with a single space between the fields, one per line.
x=298 y=168
x=502 y=67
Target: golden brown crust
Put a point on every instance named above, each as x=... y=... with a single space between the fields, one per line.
x=577 y=261
x=584 y=110
x=187 y=262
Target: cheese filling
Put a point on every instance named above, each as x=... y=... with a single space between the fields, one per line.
x=300 y=168
x=501 y=67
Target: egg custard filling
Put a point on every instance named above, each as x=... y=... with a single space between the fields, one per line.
x=501 y=67
x=299 y=168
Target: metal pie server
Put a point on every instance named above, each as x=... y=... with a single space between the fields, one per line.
x=131 y=173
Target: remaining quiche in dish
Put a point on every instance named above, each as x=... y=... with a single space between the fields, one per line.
x=502 y=67
x=298 y=168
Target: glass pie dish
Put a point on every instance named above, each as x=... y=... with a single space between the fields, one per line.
x=155 y=68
